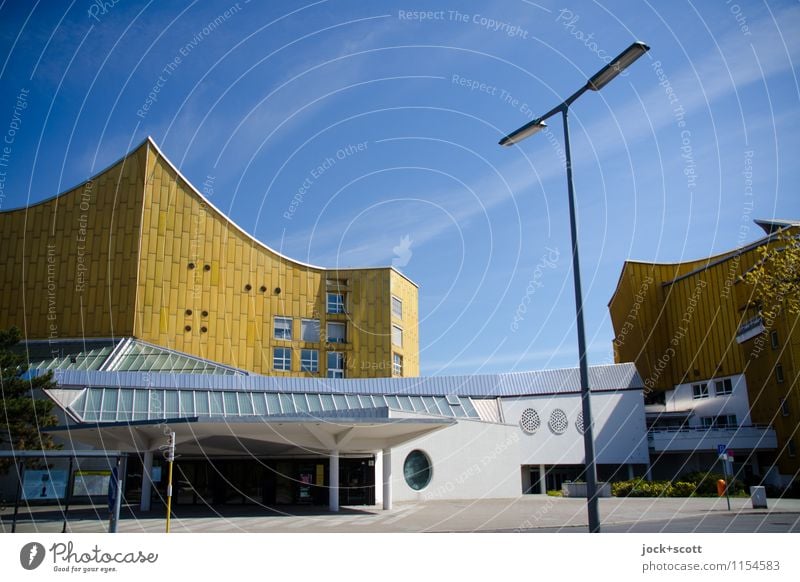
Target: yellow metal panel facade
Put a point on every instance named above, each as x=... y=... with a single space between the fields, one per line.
x=772 y=368
x=137 y=251
x=222 y=290
x=678 y=324
x=408 y=294
x=68 y=265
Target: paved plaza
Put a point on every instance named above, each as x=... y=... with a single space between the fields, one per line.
x=525 y=514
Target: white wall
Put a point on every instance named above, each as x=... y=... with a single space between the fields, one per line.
x=681 y=398
x=470 y=460
x=474 y=459
x=619 y=428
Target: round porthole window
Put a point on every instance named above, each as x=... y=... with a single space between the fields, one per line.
x=558 y=421
x=529 y=422
x=417 y=470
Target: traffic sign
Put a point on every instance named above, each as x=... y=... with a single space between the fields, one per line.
x=721 y=449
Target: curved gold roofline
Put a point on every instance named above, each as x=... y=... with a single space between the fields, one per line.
x=150 y=142
x=707 y=262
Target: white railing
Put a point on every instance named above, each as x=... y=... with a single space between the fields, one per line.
x=706 y=439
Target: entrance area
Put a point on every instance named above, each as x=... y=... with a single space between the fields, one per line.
x=554 y=476
x=231 y=481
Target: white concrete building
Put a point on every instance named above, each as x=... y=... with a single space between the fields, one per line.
x=244 y=438
x=684 y=432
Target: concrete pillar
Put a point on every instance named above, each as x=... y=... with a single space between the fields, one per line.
x=333 y=485
x=378 y=474
x=387 y=478
x=630 y=471
x=147 y=484
x=542 y=480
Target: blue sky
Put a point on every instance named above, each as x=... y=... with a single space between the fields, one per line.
x=382 y=127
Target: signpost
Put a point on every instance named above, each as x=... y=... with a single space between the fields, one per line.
x=115 y=492
x=724 y=454
x=170 y=459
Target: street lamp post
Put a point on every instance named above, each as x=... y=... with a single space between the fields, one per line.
x=597 y=82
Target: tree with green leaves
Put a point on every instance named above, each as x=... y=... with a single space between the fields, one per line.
x=23 y=412
x=776 y=277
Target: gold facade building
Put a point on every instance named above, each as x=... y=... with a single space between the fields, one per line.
x=694 y=322
x=137 y=251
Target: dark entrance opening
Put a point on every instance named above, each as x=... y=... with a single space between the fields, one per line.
x=269 y=481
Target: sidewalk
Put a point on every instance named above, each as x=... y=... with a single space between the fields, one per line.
x=530 y=513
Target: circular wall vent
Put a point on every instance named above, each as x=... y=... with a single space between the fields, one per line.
x=579 y=423
x=558 y=421
x=529 y=422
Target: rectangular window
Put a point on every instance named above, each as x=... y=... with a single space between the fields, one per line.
x=784 y=407
x=397 y=307
x=773 y=339
x=397 y=336
x=778 y=373
x=723 y=387
x=699 y=391
x=283 y=328
x=309 y=330
x=337 y=333
x=309 y=361
x=726 y=421
x=282 y=359
x=706 y=421
x=335 y=365
x=397 y=364
x=335 y=302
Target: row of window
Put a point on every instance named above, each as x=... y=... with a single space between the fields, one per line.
x=720 y=421
x=721 y=388
x=779 y=373
x=335 y=304
x=309 y=362
x=336 y=332
x=725 y=387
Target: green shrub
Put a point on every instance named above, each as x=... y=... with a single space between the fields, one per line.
x=706 y=483
x=683 y=489
x=555 y=493
x=641 y=488
x=699 y=484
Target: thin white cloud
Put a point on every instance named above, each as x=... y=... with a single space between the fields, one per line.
x=507 y=361
x=716 y=76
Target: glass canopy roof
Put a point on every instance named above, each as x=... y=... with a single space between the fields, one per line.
x=127 y=404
